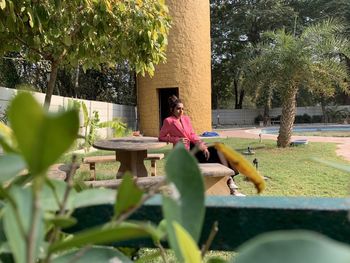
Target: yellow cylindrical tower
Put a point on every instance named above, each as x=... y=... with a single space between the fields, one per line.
x=187 y=71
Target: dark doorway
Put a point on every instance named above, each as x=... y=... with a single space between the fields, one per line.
x=163 y=95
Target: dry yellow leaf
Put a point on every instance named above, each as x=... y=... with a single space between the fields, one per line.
x=237 y=161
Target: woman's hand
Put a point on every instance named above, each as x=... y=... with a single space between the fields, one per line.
x=184 y=140
x=205 y=151
x=206 y=154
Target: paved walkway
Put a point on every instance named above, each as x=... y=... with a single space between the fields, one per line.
x=343 y=143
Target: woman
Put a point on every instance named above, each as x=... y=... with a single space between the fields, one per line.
x=178 y=128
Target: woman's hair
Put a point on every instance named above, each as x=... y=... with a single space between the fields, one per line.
x=173 y=101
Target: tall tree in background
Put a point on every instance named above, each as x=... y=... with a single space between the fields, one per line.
x=8 y=73
x=315 y=11
x=110 y=84
x=86 y=33
x=236 y=27
x=115 y=85
x=310 y=60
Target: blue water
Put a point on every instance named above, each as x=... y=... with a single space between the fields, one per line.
x=274 y=130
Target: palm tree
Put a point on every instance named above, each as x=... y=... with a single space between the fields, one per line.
x=287 y=62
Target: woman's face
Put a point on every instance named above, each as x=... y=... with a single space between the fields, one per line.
x=179 y=110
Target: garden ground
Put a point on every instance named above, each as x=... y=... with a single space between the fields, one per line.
x=343 y=143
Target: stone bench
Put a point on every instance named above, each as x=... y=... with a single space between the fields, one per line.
x=144 y=183
x=275 y=120
x=215 y=180
x=59 y=171
x=92 y=160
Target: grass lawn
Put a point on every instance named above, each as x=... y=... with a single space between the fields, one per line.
x=291 y=171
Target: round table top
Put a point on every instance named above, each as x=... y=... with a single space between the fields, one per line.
x=137 y=143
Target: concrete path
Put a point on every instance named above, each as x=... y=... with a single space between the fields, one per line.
x=343 y=143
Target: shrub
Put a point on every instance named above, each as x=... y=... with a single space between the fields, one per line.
x=316 y=118
x=298 y=119
x=305 y=118
x=258 y=119
x=336 y=115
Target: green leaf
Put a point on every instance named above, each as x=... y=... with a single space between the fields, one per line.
x=93 y=197
x=188 y=247
x=13 y=233
x=2 y=4
x=182 y=170
x=171 y=211
x=94 y=254
x=79 y=185
x=216 y=260
x=7 y=140
x=12 y=11
x=17 y=223
x=121 y=7
x=4 y=249
x=291 y=247
x=6 y=146
x=31 y=20
x=103 y=235
x=128 y=196
x=2 y=27
x=58 y=4
x=62 y=221
x=67 y=40
x=85 y=114
x=49 y=136
x=22 y=180
x=117 y=125
x=53 y=194
x=10 y=166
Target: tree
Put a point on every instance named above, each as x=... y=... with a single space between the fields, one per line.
x=84 y=32
x=236 y=27
x=313 y=11
x=115 y=84
x=8 y=74
x=311 y=60
x=110 y=84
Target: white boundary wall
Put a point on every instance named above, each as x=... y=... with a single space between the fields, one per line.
x=106 y=111
x=237 y=117
x=241 y=117
x=109 y=111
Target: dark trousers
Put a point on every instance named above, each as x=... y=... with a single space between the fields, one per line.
x=213 y=157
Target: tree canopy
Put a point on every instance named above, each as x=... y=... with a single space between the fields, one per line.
x=85 y=32
x=237 y=28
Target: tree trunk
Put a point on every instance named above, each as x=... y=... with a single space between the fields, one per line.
x=347 y=62
x=76 y=82
x=235 y=88
x=287 y=118
x=51 y=84
x=323 y=108
x=266 y=114
x=239 y=95
x=240 y=101
x=267 y=107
